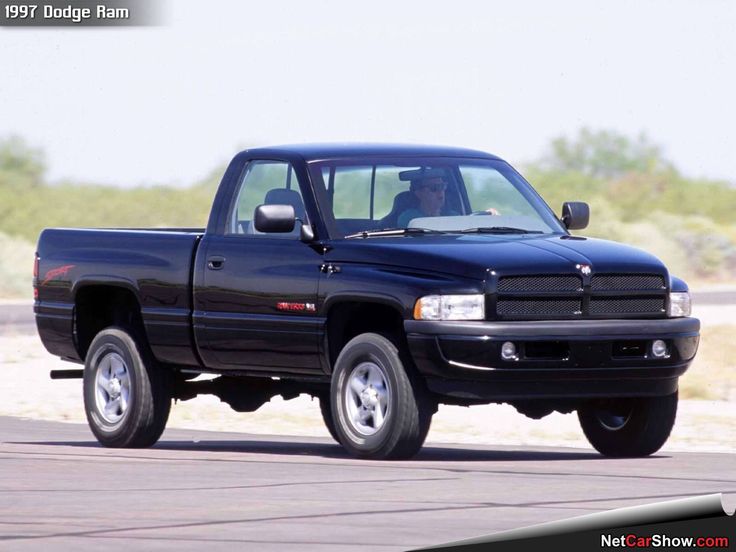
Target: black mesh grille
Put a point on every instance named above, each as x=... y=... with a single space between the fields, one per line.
x=554 y=282
x=626 y=282
x=561 y=295
x=631 y=305
x=540 y=307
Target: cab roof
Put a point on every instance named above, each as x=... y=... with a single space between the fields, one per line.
x=314 y=152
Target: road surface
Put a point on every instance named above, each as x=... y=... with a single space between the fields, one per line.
x=225 y=491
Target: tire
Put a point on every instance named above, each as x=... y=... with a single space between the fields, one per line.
x=629 y=427
x=126 y=395
x=380 y=412
x=325 y=407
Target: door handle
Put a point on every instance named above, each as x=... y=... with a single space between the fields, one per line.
x=216 y=263
x=329 y=268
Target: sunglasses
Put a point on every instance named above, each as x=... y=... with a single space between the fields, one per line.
x=439 y=187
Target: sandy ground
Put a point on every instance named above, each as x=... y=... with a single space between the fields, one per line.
x=28 y=392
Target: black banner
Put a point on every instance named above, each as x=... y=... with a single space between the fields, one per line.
x=80 y=13
x=691 y=523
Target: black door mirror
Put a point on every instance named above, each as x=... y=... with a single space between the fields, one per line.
x=575 y=215
x=274 y=218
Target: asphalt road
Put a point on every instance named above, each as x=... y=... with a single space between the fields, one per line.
x=223 y=491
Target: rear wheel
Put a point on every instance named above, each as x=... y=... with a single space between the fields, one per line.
x=126 y=394
x=629 y=427
x=379 y=410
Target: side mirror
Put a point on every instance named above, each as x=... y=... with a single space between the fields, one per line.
x=274 y=218
x=575 y=215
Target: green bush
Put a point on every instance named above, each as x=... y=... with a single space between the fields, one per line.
x=16 y=268
x=25 y=213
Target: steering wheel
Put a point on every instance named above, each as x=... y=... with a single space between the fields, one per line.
x=491 y=211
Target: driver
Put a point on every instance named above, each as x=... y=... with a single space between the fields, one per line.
x=429 y=189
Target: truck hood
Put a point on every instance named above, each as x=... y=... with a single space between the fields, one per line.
x=472 y=256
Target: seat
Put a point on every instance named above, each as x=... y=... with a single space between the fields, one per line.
x=403 y=201
x=284 y=196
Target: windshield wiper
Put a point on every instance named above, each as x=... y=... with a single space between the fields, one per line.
x=392 y=232
x=499 y=230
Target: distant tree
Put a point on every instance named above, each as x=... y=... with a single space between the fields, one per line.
x=20 y=163
x=604 y=154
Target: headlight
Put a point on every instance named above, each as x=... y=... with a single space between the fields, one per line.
x=450 y=307
x=679 y=304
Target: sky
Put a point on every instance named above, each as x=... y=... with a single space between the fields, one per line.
x=168 y=104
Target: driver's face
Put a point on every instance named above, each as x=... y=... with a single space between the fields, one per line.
x=431 y=194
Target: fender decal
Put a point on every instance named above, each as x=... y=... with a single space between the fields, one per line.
x=57 y=273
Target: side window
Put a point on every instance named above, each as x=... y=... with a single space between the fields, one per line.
x=266 y=183
x=352 y=192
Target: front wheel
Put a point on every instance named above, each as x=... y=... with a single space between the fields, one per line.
x=380 y=411
x=126 y=394
x=629 y=427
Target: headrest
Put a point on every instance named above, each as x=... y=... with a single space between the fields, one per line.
x=282 y=196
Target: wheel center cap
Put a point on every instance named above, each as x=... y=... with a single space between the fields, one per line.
x=115 y=387
x=369 y=397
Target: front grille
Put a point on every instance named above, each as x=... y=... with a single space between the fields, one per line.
x=563 y=296
x=629 y=305
x=552 y=283
x=539 y=307
x=626 y=282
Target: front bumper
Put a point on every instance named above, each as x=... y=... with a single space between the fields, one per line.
x=556 y=359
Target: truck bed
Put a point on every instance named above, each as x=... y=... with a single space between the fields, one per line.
x=152 y=265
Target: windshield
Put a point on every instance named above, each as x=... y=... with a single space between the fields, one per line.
x=359 y=197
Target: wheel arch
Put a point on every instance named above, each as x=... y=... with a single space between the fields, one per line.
x=351 y=315
x=100 y=305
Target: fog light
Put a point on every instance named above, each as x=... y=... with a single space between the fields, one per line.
x=659 y=349
x=508 y=351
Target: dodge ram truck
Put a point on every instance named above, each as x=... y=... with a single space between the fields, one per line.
x=382 y=280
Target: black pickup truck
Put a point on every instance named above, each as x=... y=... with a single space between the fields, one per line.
x=381 y=279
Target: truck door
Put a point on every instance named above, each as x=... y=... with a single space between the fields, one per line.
x=256 y=293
